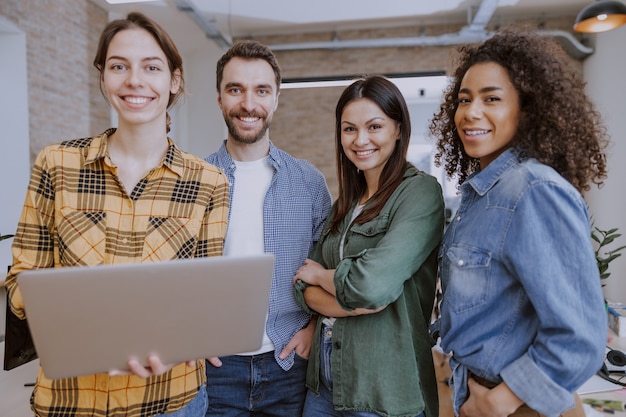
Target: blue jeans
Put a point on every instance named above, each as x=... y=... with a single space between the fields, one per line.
x=256 y=386
x=322 y=405
x=195 y=408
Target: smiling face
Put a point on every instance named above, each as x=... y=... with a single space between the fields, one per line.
x=136 y=79
x=488 y=112
x=248 y=97
x=368 y=137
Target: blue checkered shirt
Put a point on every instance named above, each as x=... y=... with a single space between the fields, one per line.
x=294 y=210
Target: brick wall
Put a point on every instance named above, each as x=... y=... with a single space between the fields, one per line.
x=63 y=93
x=65 y=101
x=304 y=123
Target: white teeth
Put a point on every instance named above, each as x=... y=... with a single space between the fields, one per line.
x=249 y=119
x=476 y=132
x=363 y=153
x=136 y=100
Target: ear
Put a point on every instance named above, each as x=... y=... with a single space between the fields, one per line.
x=175 y=83
x=276 y=103
x=219 y=99
x=102 y=89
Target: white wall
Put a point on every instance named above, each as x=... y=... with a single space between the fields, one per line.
x=606 y=84
x=14 y=158
x=197 y=123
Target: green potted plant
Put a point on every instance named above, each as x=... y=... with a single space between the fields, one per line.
x=604 y=238
x=616 y=311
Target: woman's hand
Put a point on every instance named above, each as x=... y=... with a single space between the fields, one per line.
x=499 y=401
x=310 y=272
x=155 y=367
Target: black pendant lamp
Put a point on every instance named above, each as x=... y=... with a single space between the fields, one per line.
x=601 y=16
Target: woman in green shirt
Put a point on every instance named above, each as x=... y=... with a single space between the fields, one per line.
x=371 y=277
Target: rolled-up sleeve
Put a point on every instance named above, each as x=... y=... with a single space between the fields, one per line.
x=375 y=276
x=562 y=283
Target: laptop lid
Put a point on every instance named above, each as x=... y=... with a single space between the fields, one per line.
x=87 y=320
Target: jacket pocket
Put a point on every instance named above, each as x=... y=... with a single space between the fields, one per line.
x=374 y=227
x=467 y=286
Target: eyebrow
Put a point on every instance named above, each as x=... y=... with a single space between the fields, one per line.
x=482 y=90
x=238 y=84
x=121 y=58
x=367 y=121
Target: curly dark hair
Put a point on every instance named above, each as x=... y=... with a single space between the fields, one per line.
x=559 y=125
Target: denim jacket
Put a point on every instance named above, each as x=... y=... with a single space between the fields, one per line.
x=522 y=296
x=383 y=362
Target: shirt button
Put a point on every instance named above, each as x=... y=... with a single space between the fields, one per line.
x=460 y=263
x=458 y=218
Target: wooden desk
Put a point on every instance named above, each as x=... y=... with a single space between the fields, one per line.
x=14 y=396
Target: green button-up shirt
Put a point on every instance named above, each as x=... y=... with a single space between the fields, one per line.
x=383 y=362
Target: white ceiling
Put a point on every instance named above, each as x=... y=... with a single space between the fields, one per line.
x=249 y=18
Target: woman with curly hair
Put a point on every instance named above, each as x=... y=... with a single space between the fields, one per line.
x=522 y=313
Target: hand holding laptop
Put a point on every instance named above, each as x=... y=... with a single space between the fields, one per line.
x=156 y=367
x=167 y=312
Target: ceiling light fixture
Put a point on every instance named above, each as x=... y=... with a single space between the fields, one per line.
x=601 y=16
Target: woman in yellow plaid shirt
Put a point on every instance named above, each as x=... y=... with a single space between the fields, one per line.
x=126 y=195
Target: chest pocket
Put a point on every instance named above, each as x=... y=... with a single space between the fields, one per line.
x=171 y=238
x=81 y=237
x=468 y=277
x=366 y=235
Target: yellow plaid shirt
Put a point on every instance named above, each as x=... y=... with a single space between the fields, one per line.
x=77 y=213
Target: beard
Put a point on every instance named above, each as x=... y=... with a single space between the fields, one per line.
x=246 y=137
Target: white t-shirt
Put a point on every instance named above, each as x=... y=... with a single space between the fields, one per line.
x=245 y=227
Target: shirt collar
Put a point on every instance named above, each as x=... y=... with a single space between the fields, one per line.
x=98 y=149
x=275 y=158
x=482 y=181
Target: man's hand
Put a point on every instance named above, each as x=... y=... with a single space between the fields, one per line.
x=215 y=361
x=301 y=341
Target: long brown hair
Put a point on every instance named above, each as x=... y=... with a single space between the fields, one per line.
x=386 y=95
x=136 y=20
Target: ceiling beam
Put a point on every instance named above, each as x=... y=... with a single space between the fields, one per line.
x=207 y=26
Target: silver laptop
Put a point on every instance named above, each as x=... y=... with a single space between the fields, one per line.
x=87 y=320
